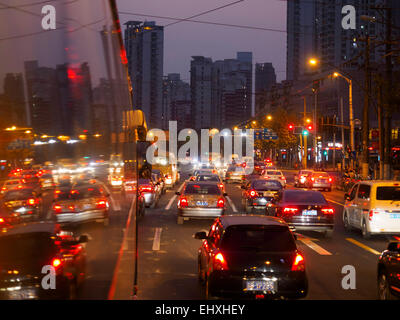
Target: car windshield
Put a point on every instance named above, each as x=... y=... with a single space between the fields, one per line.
x=266 y=185
x=18 y=195
x=207 y=178
x=388 y=193
x=202 y=189
x=303 y=197
x=25 y=247
x=258 y=238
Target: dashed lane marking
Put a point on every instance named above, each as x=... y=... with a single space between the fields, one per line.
x=363 y=246
x=157 y=239
x=171 y=201
x=232 y=204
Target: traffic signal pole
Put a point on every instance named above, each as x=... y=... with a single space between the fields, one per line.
x=305 y=153
x=365 y=128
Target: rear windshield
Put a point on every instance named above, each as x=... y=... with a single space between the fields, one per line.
x=81 y=193
x=388 y=193
x=304 y=197
x=266 y=185
x=207 y=178
x=321 y=174
x=25 y=246
x=202 y=189
x=258 y=238
x=12 y=182
x=274 y=173
x=17 y=195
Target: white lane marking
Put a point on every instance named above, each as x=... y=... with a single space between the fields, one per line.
x=157 y=239
x=171 y=201
x=114 y=203
x=232 y=204
x=309 y=243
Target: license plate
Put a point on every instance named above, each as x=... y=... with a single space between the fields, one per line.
x=395 y=216
x=202 y=203
x=261 y=285
x=310 y=212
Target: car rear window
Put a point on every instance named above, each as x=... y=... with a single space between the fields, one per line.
x=80 y=193
x=18 y=195
x=26 y=247
x=202 y=189
x=321 y=174
x=207 y=178
x=258 y=238
x=274 y=173
x=266 y=185
x=388 y=193
x=304 y=197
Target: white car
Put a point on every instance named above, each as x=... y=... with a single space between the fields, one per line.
x=373 y=207
x=275 y=175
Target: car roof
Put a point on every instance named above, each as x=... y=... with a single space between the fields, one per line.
x=248 y=219
x=32 y=227
x=383 y=183
x=201 y=182
x=301 y=191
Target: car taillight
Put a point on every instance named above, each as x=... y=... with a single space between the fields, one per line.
x=330 y=179
x=221 y=203
x=146 y=189
x=220 y=262
x=290 y=210
x=1 y=220
x=56 y=263
x=328 y=211
x=282 y=178
x=221 y=185
x=371 y=214
x=71 y=207
x=183 y=203
x=57 y=208
x=102 y=204
x=31 y=201
x=298 y=263
x=253 y=193
x=312 y=179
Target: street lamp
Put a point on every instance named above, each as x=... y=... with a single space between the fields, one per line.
x=313 y=62
x=269 y=117
x=351 y=112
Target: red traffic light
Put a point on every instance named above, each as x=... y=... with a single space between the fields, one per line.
x=310 y=127
x=291 y=126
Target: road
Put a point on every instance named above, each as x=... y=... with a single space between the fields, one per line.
x=167 y=262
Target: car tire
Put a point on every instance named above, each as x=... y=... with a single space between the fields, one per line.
x=72 y=293
x=328 y=234
x=364 y=231
x=208 y=295
x=179 y=220
x=346 y=222
x=383 y=288
x=200 y=273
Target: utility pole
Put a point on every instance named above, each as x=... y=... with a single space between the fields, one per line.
x=305 y=136
x=342 y=119
x=365 y=131
x=381 y=130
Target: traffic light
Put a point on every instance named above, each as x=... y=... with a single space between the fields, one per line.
x=310 y=127
x=291 y=127
x=305 y=132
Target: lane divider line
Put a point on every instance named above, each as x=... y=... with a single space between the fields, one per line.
x=232 y=204
x=157 y=239
x=333 y=201
x=309 y=243
x=115 y=204
x=171 y=201
x=363 y=246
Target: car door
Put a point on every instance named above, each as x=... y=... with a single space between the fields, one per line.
x=210 y=245
x=361 y=204
x=350 y=205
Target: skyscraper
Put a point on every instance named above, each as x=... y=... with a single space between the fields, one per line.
x=265 y=77
x=144 y=43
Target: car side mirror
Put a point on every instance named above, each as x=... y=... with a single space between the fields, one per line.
x=394 y=247
x=178 y=193
x=201 y=235
x=83 y=238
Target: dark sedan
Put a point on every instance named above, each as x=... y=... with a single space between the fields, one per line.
x=25 y=202
x=389 y=272
x=26 y=250
x=304 y=210
x=251 y=257
x=258 y=193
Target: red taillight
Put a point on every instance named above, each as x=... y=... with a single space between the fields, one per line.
x=31 y=201
x=183 y=203
x=220 y=262
x=102 y=204
x=221 y=203
x=56 y=263
x=71 y=208
x=298 y=263
x=328 y=210
x=1 y=220
x=330 y=179
x=253 y=193
x=312 y=179
x=4 y=189
x=290 y=210
x=145 y=188
x=282 y=178
x=57 y=208
x=221 y=185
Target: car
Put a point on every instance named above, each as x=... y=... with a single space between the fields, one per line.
x=252 y=257
x=47 y=181
x=160 y=179
x=24 y=202
x=272 y=174
x=128 y=193
x=80 y=204
x=256 y=194
x=388 y=272
x=304 y=210
x=10 y=184
x=211 y=178
x=319 y=180
x=200 y=200
x=157 y=184
x=235 y=173
x=259 y=167
x=149 y=191
x=373 y=207
x=301 y=177
x=26 y=249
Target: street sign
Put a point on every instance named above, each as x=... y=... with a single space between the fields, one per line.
x=265 y=134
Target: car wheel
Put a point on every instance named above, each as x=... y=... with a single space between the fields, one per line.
x=208 y=294
x=200 y=272
x=72 y=290
x=383 y=288
x=364 y=231
x=346 y=222
x=179 y=220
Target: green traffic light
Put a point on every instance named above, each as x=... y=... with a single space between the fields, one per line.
x=305 y=133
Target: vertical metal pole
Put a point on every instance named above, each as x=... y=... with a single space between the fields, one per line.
x=351 y=118
x=342 y=120
x=365 y=133
x=305 y=137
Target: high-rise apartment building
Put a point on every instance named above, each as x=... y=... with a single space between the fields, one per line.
x=265 y=78
x=144 y=43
